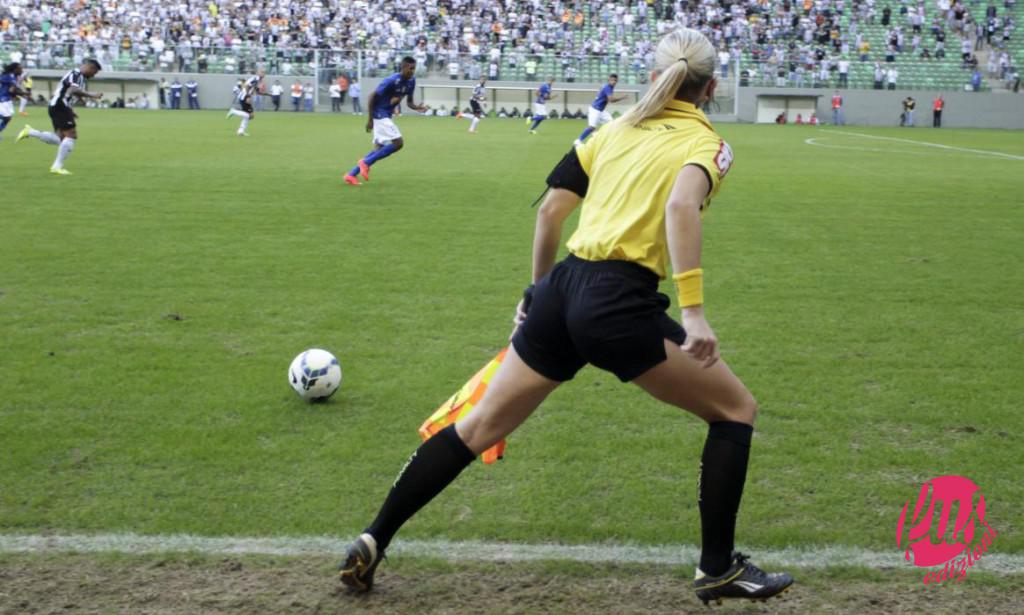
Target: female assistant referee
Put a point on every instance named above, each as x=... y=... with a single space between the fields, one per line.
x=647 y=178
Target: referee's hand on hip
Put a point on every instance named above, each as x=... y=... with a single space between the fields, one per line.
x=701 y=343
x=521 y=309
x=518 y=318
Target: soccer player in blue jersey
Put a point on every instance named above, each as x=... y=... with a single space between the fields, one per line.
x=540 y=110
x=8 y=92
x=596 y=114
x=384 y=101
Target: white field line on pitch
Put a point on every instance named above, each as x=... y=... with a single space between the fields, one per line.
x=927 y=144
x=817 y=141
x=816 y=557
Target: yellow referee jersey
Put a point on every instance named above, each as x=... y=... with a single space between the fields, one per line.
x=632 y=171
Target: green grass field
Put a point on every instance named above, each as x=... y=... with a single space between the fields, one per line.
x=868 y=292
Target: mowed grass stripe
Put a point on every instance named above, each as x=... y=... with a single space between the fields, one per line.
x=459 y=551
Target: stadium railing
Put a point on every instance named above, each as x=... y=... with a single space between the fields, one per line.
x=172 y=59
x=513 y=65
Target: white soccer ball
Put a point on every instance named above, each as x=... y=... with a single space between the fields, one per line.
x=315 y=375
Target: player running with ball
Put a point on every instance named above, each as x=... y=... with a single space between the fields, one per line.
x=644 y=181
x=387 y=139
x=65 y=128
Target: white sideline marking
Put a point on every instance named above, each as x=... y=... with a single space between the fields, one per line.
x=927 y=144
x=817 y=141
x=817 y=557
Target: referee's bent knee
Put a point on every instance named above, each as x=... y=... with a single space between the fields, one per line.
x=746 y=411
x=743 y=410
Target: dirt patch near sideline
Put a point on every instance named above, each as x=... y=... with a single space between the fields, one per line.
x=187 y=584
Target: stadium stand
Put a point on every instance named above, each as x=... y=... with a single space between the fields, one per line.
x=932 y=45
x=789 y=43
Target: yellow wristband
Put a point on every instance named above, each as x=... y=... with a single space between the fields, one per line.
x=690 y=286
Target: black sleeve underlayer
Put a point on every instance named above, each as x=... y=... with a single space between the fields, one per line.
x=569 y=174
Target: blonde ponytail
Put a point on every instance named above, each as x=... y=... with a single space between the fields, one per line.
x=683 y=58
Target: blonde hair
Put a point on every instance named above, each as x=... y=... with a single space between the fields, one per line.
x=684 y=60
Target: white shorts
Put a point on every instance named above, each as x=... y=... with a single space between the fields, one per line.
x=540 y=109
x=595 y=118
x=385 y=131
x=6 y=108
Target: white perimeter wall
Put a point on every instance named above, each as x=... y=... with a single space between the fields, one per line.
x=883 y=107
x=864 y=107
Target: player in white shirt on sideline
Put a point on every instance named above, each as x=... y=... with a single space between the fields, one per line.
x=276 y=91
x=335 y=92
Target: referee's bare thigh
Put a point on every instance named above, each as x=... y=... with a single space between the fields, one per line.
x=713 y=393
x=513 y=394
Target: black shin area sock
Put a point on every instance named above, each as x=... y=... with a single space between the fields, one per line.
x=722 y=474
x=431 y=468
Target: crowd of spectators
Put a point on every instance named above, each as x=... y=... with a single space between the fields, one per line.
x=794 y=42
x=815 y=42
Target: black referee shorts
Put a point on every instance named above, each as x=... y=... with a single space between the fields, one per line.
x=62 y=116
x=608 y=313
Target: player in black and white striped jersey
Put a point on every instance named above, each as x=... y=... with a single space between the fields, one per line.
x=65 y=132
x=476 y=102
x=251 y=87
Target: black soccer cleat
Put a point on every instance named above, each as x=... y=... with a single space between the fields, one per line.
x=741 y=580
x=357 y=570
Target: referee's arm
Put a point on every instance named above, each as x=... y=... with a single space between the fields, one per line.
x=567 y=185
x=682 y=217
x=547 y=234
x=683 y=229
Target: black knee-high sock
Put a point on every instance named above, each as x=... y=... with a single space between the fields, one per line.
x=431 y=468
x=723 y=472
